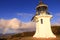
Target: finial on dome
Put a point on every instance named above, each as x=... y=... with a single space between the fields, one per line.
x=41 y=2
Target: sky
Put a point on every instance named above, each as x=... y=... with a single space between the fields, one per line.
x=24 y=10
x=16 y=15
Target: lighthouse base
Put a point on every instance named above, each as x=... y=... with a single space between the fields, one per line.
x=44 y=32
x=43 y=27
x=39 y=36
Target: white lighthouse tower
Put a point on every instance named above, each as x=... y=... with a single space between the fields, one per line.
x=42 y=19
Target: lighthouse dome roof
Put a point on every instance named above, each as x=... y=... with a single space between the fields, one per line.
x=41 y=4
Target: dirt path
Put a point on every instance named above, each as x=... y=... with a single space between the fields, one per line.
x=31 y=38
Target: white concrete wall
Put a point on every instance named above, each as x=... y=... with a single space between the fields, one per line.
x=44 y=30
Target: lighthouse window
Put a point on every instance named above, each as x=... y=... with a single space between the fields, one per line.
x=41 y=21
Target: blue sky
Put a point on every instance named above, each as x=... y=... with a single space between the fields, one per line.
x=25 y=9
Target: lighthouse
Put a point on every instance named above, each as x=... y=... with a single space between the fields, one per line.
x=42 y=20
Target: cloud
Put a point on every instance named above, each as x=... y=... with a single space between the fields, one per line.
x=28 y=25
x=56 y=22
x=57 y=14
x=24 y=14
x=56 y=19
x=15 y=25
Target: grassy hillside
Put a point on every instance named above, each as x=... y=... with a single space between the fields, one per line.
x=55 y=29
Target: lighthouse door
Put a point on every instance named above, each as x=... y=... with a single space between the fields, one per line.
x=41 y=21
